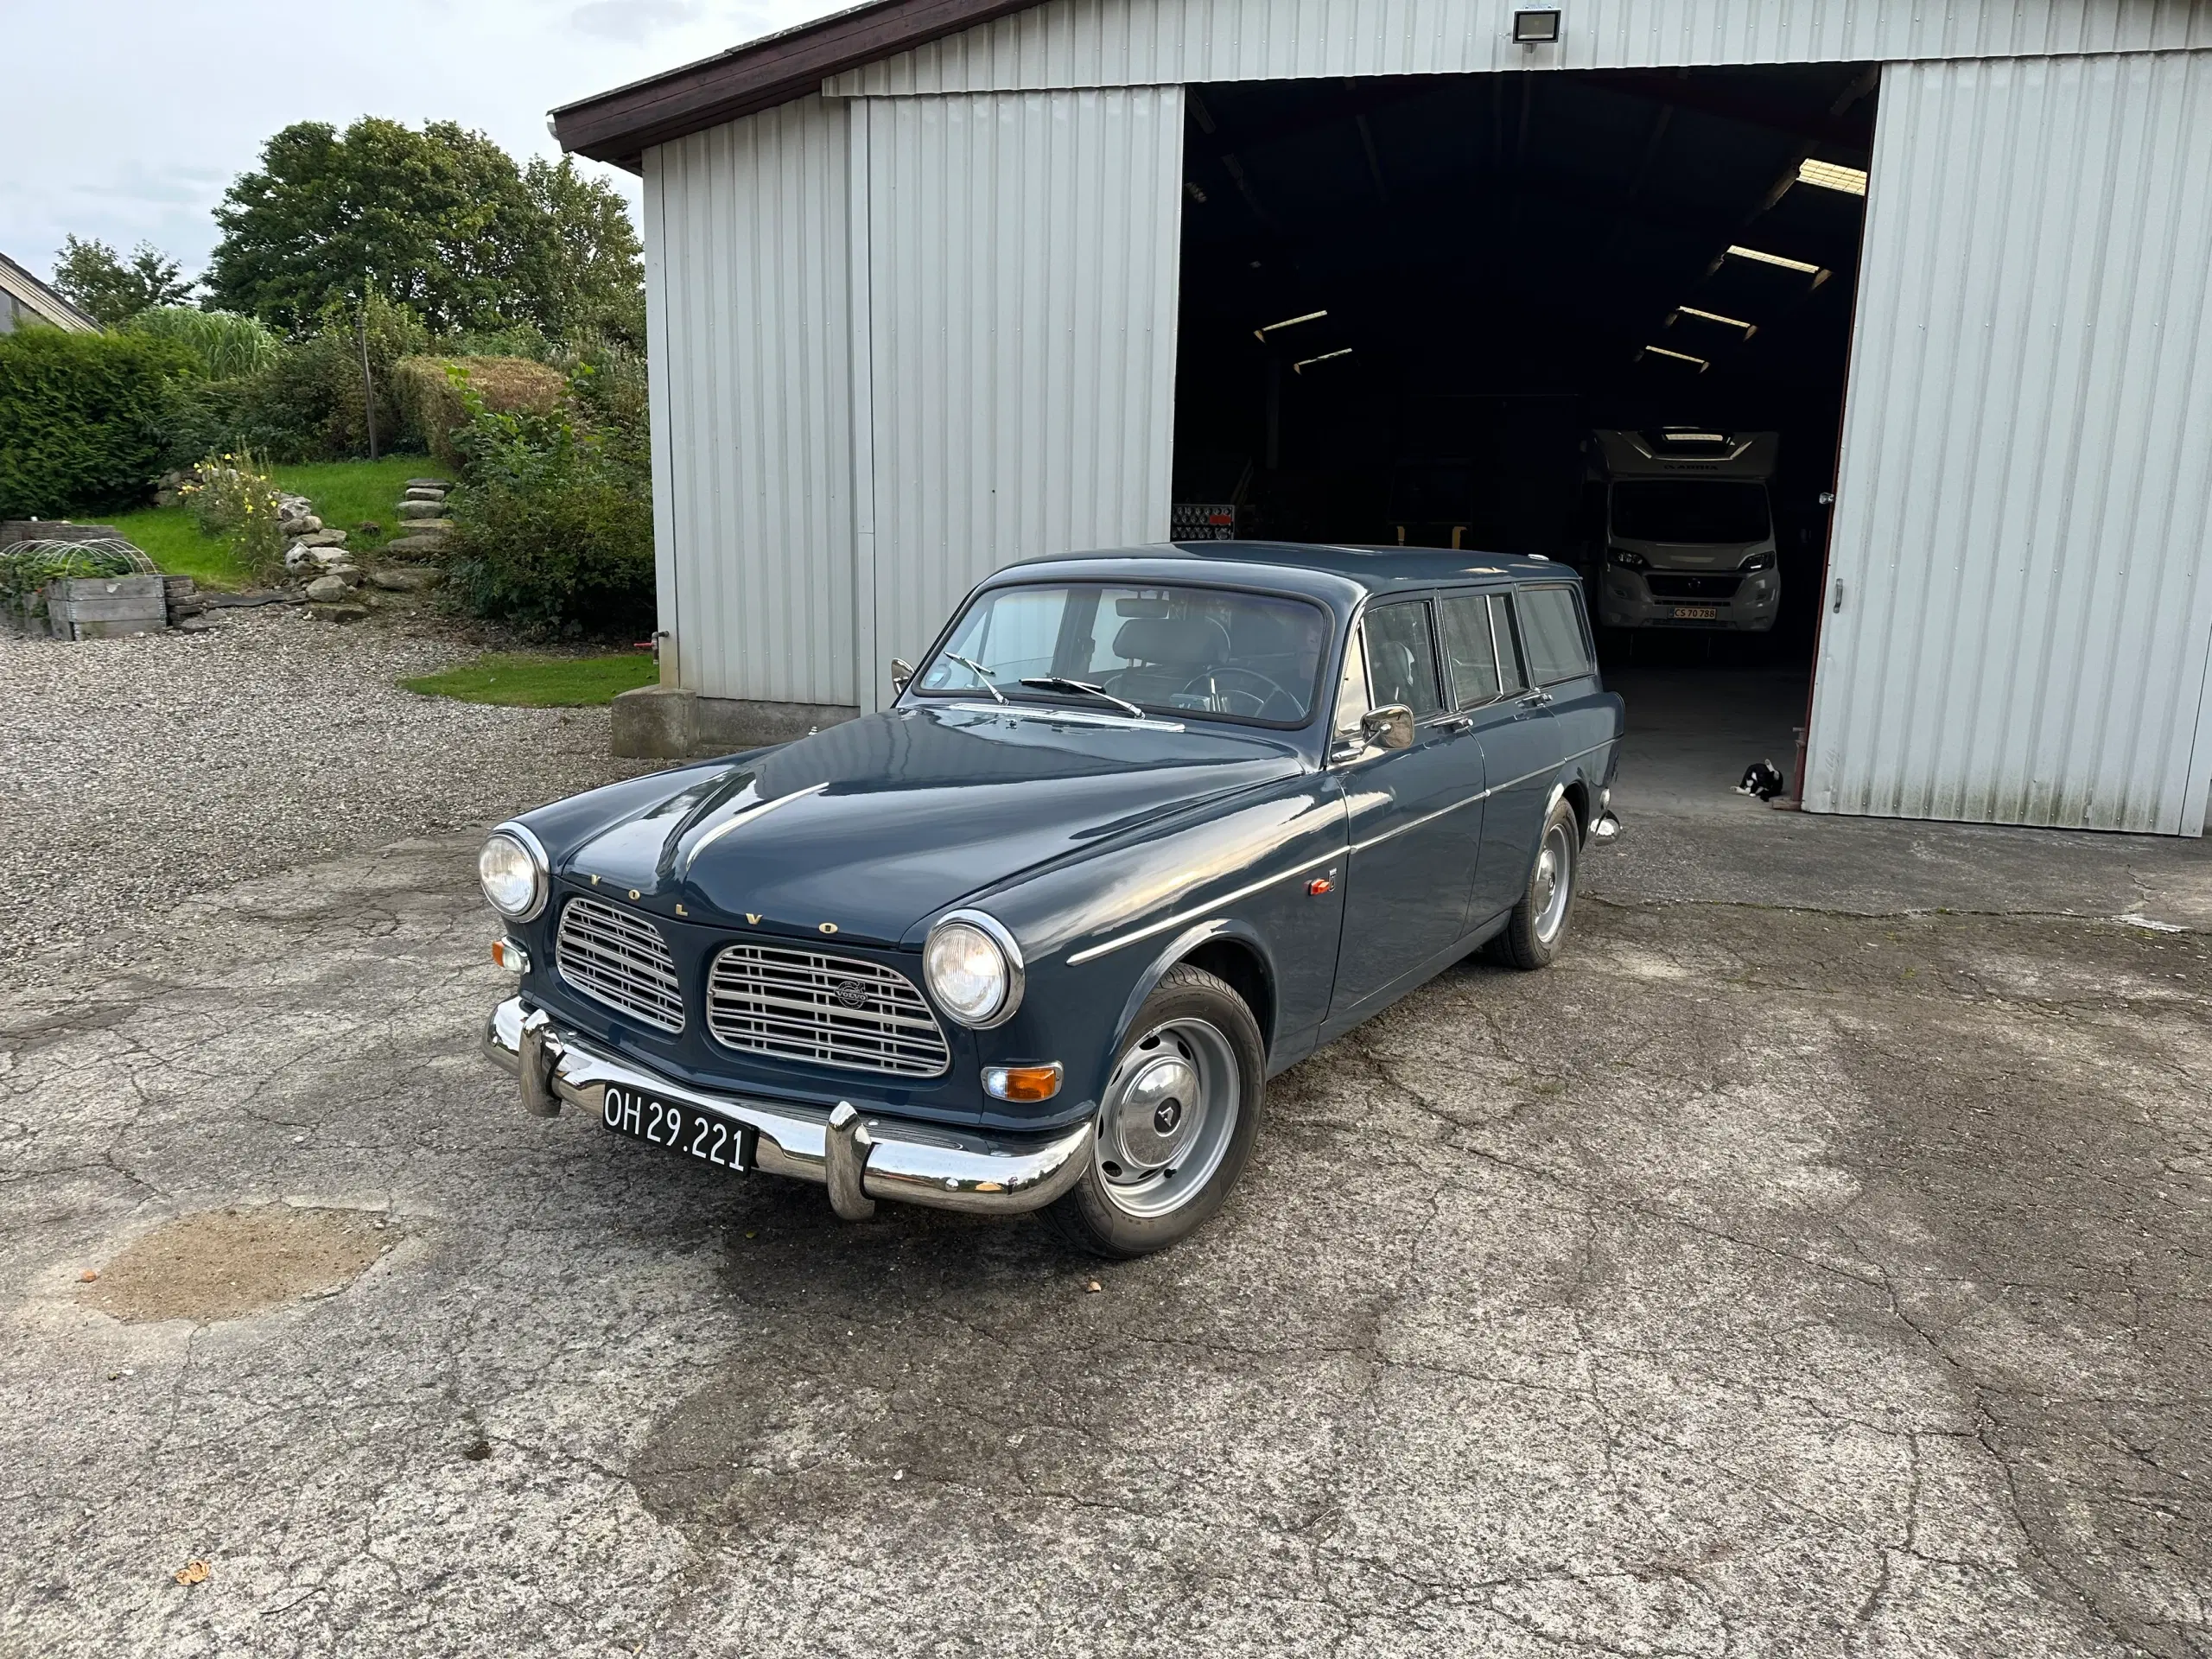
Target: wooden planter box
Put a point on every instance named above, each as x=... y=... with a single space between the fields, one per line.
x=106 y=607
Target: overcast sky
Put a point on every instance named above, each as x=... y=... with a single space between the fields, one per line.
x=126 y=119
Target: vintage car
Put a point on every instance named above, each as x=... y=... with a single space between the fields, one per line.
x=1146 y=828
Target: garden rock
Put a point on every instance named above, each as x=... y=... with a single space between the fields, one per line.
x=324 y=539
x=420 y=509
x=340 y=614
x=408 y=580
x=305 y=524
x=325 y=589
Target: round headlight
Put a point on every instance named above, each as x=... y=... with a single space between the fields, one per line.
x=974 y=969
x=513 y=876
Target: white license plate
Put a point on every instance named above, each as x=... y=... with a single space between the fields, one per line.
x=1696 y=614
x=678 y=1128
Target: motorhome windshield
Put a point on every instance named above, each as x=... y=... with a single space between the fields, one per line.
x=1689 y=510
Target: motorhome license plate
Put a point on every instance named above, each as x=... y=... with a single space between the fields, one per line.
x=678 y=1128
x=1696 y=614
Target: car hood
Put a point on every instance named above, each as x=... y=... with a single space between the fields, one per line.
x=869 y=829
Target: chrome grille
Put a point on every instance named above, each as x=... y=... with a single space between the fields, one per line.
x=621 y=960
x=826 y=1010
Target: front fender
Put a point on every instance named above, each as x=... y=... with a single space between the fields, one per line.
x=1182 y=944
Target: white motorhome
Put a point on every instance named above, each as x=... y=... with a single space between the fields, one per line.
x=1688 y=530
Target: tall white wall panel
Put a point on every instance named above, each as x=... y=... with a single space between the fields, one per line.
x=748 y=266
x=2020 y=546
x=1139 y=42
x=1017 y=387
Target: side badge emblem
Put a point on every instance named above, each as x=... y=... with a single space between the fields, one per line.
x=595 y=880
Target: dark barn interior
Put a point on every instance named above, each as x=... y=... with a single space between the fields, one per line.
x=1406 y=302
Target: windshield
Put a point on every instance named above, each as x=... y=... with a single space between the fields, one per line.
x=1690 y=509
x=1206 y=651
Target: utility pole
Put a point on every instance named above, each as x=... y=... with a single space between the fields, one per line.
x=368 y=383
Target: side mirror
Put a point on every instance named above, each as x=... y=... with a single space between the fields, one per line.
x=1388 y=727
x=902 y=675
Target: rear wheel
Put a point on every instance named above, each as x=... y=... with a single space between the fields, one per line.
x=1177 y=1121
x=1538 y=925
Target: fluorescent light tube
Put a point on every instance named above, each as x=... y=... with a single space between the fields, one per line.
x=1749 y=328
x=1287 y=322
x=1703 y=364
x=1300 y=366
x=1829 y=175
x=1765 y=258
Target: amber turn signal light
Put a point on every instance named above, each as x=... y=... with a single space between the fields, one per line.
x=1022 y=1082
x=511 y=957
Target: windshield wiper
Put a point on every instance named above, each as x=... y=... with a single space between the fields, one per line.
x=979 y=671
x=1061 y=683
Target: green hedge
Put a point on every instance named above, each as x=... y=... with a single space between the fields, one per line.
x=81 y=419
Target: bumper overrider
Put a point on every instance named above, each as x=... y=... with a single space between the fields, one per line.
x=859 y=1157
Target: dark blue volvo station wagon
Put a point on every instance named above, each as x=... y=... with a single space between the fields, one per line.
x=1146 y=828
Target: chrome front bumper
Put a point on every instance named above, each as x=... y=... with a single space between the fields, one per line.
x=858 y=1157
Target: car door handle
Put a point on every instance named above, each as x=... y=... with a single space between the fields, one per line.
x=1537 y=699
x=1456 y=723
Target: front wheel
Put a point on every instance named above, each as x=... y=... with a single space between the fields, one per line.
x=1177 y=1121
x=1537 y=927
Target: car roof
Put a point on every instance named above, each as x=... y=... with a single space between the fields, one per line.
x=1338 y=573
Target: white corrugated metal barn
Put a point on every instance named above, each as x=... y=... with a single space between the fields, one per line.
x=937 y=284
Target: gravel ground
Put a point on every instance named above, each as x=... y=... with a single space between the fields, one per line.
x=270 y=740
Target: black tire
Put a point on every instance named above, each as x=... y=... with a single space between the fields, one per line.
x=1526 y=944
x=1187 y=1000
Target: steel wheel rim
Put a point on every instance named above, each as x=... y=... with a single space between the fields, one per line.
x=1554 y=882
x=1174 y=1058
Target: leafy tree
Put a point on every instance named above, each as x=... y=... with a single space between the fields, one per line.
x=94 y=277
x=439 y=220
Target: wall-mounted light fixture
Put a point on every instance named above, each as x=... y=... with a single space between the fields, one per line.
x=1535 y=29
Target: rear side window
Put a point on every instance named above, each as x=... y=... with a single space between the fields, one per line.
x=1401 y=661
x=1470 y=656
x=1510 y=676
x=1551 y=635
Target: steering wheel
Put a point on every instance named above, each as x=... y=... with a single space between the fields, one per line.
x=1208 y=685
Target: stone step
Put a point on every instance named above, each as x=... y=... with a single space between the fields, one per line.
x=429 y=484
x=411 y=580
x=420 y=509
x=416 y=547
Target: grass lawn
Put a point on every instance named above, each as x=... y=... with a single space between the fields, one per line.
x=522 y=680
x=346 y=495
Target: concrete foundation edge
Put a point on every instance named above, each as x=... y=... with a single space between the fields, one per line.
x=663 y=722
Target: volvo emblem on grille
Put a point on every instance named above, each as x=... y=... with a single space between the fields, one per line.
x=852 y=994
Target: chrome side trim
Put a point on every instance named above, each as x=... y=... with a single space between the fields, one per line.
x=968 y=1170
x=1091 y=953
x=738 y=820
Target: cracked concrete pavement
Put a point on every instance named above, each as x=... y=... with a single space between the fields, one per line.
x=1820 y=1281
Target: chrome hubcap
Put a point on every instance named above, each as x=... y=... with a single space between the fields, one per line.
x=1169 y=1115
x=1554 y=882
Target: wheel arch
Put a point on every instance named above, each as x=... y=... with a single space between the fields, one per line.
x=1228 y=949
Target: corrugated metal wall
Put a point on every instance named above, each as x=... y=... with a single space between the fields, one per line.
x=1138 y=42
x=2026 y=478
x=1021 y=264
x=748 y=272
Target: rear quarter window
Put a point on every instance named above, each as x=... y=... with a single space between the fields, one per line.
x=1553 y=636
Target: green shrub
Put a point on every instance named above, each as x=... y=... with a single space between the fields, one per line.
x=230 y=495
x=80 y=419
x=552 y=532
x=224 y=343
x=433 y=405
